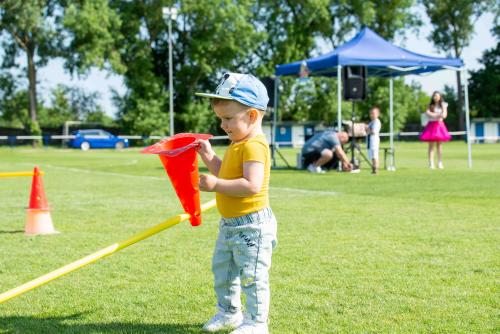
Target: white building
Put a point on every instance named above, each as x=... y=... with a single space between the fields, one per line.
x=485 y=130
x=291 y=134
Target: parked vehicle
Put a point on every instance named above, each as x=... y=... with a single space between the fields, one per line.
x=96 y=138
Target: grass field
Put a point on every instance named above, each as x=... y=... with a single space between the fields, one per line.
x=411 y=251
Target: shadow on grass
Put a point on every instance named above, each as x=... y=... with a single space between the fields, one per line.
x=66 y=324
x=11 y=232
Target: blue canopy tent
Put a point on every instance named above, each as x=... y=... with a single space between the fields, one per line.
x=381 y=59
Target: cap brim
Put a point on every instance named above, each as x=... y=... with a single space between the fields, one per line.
x=213 y=96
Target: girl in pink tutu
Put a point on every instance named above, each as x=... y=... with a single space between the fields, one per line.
x=435 y=131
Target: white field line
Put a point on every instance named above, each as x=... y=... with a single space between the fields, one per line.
x=143 y=177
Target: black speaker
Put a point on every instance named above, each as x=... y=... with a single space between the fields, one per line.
x=354 y=82
x=269 y=83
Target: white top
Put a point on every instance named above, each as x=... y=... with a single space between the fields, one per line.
x=438 y=110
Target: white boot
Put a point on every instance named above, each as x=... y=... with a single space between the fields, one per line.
x=223 y=320
x=251 y=328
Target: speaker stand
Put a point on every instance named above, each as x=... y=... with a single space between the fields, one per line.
x=354 y=147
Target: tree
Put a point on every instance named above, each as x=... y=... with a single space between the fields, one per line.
x=72 y=104
x=484 y=84
x=390 y=19
x=214 y=36
x=453 y=27
x=13 y=107
x=29 y=29
x=209 y=37
x=81 y=31
x=296 y=29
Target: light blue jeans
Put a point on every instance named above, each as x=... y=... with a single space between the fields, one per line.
x=241 y=261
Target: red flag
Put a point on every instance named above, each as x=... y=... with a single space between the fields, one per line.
x=179 y=158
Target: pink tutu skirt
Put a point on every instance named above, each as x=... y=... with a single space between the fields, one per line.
x=435 y=131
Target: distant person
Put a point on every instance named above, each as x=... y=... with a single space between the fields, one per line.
x=373 y=138
x=247 y=229
x=322 y=148
x=435 y=131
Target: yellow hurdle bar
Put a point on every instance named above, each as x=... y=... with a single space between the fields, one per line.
x=99 y=255
x=15 y=174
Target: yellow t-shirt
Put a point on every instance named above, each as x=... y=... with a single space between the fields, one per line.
x=253 y=149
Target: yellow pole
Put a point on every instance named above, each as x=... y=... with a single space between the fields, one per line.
x=98 y=255
x=15 y=174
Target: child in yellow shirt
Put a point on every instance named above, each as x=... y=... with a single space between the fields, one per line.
x=247 y=230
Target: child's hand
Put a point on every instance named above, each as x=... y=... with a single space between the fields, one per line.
x=207 y=182
x=205 y=149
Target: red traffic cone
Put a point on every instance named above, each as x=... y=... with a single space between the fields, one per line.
x=178 y=156
x=38 y=219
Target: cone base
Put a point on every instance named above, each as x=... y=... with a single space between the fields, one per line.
x=38 y=222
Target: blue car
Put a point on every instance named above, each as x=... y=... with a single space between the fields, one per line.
x=96 y=138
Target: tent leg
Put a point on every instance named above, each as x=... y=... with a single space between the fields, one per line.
x=391 y=166
x=467 y=115
x=339 y=103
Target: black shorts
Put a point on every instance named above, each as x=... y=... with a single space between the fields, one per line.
x=311 y=157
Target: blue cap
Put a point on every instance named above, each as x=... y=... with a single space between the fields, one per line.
x=244 y=88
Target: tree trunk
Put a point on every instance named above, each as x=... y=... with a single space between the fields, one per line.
x=460 y=109
x=32 y=83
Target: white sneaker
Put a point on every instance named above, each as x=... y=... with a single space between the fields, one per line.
x=315 y=169
x=431 y=166
x=251 y=328
x=223 y=320
x=440 y=165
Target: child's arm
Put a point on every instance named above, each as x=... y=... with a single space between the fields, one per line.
x=445 y=111
x=250 y=184
x=431 y=115
x=209 y=157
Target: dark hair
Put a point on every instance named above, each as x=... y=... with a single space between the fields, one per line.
x=432 y=104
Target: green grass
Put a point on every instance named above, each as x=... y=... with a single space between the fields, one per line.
x=411 y=251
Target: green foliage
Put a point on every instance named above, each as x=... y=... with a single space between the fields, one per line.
x=453 y=22
x=29 y=27
x=83 y=32
x=389 y=18
x=453 y=27
x=209 y=37
x=72 y=104
x=13 y=103
x=92 y=29
x=484 y=85
x=200 y=118
x=144 y=114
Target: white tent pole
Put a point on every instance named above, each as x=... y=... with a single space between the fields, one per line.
x=274 y=119
x=467 y=116
x=339 y=102
x=391 y=125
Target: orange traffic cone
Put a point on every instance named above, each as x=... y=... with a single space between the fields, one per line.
x=38 y=220
x=178 y=156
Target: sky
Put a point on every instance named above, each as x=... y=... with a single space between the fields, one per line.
x=101 y=81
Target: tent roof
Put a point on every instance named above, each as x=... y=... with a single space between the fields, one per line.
x=378 y=55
